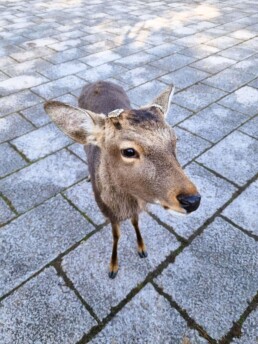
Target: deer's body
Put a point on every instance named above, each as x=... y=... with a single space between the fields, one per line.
x=131 y=156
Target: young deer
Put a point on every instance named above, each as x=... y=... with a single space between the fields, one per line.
x=131 y=155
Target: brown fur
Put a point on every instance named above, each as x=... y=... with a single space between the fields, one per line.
x=123 y=186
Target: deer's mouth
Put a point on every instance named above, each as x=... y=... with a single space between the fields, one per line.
x=175 y=209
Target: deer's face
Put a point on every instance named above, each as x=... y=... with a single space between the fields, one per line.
x=138 y=151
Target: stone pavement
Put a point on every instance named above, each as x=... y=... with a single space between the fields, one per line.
x=201 y=284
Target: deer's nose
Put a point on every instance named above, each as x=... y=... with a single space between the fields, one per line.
x=189 y=203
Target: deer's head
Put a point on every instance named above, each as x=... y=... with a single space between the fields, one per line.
x=138 y=150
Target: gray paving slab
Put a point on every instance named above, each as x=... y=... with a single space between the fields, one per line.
x=215 y=277
x=78 y=149
x=177 y=114
x=102 y=72
x=140 y=75
x=244 y=99
x=100 y=58
x=189 y=146
x=19 y=83
x=248 y=65
x=215 y=193
x=150 y=90
x=213 y=64
x=36 y=65
x=70 y=54
x=173 y=62
x=12 y=126
x=17 y=102
x=45 y=311
x=36 y=238
x=159 y=323
x=6 y=213
x=36 y=114
x=59 y=87
x=229 y=80
x=12 y=160
x=41 y=142
x=237 y=53
x=198 y=96
x=165 y=49
x=242 y=210
x=249 y=331
x=81 y=195
x=87 y=266
x=224 y=42
x=251 y=127
x=233 y=157
x=184 y=77
x=64 y=69
x=136 y=60
x=214 y=122
x=199 y=51
x=43 y=179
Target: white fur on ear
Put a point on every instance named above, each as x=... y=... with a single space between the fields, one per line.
x=115 y=113
x=163 y=101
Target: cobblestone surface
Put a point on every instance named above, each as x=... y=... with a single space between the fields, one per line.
x=199 y=283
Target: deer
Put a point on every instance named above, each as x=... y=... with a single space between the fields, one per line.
x=131 y=155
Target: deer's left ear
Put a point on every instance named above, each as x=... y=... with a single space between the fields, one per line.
x=164 y=99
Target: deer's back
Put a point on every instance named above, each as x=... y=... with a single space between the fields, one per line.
x=103 y=97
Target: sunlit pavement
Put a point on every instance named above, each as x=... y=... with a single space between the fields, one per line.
x=199 y=283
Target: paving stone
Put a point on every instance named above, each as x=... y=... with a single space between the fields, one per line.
x=237 y=53
x=199 y=51
x=41 y=42
x=102 y=72
x=20 y=83
x=173 y=62
x=215 y=193
x=215 y=277
x=17 y=102
x=244 y=99
x=64 y=69
x=3 y=77
x=177 y=114
x=32 y=54
x=165 y=49
x=198 y=96
x=213 y=64
x=43 y=179
x=59 y=87
x=87 y=266
x=70 y=54
x=36 y=65
x=249 y=331
x=146 y=93
x=44 y=310
x=41 y=142
x=233 y=157
x=68 y=99
x=184 y=77
x=12 y=126
x=228 y=80
x=251 y=127
x=214 y=122
x=242 y=210
x=136 y=60
x=82 y=196
x=12 y=160
x=100 y=58
x=224 y=42
x=36 y=238
x=248 y=65
x=37 y=115
x=6 y=213
x=159 y=323
x=254 y=83
x=78 y=149
x=140 y=75
x=189 y=146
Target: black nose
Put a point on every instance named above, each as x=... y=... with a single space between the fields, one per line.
x=189 y=203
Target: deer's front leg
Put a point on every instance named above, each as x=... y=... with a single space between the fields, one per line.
x=113 y=268
x=141 y=246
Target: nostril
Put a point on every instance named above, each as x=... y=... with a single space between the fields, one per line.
x=189 y=203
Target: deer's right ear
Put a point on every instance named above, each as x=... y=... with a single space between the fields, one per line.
x=81 y=125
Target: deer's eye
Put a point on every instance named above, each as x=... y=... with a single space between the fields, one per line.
x=129 y=153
